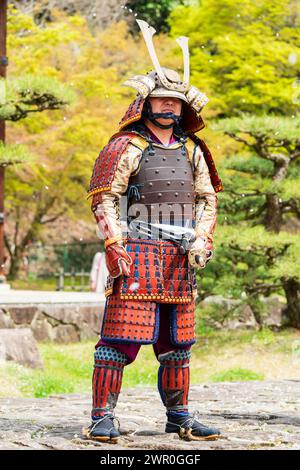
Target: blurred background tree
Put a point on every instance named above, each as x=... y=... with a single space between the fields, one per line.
x=25 y=96
x=263 y=191
x=100 y=14
x=244 y=55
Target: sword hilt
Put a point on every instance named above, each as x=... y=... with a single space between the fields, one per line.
x=184 y=244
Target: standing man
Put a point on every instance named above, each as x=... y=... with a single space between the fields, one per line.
x=153 y=193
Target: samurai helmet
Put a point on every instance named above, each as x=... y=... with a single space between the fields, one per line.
x=163 y=82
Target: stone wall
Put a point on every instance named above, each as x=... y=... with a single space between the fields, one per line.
x=77 y=321
x=61 y=323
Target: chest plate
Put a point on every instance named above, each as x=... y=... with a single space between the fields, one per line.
x=162 y=190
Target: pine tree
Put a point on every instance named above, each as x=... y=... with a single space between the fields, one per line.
x=262 y=192
x=245 y=57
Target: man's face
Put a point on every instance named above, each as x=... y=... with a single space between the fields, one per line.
x=166 y=105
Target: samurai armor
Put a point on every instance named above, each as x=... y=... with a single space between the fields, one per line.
x=174 y=379
x=107 y=379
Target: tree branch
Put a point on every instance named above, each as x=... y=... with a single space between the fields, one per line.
x=255 y=193
x=238 y=139
x=256 y=214
x=263 y=288
x=54 y=217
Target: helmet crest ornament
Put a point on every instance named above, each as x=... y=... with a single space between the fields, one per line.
x=166 y=82
x=148 y=33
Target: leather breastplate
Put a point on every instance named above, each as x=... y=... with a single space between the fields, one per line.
x=162 y=190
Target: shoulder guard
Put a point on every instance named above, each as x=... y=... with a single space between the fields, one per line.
x=107 y=162
x=214 y=176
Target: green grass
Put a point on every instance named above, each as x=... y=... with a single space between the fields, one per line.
x=47 y=283
x=44 y=385
x=217 y=356
x=69 y=369
x=34 y=284
x=236 y=375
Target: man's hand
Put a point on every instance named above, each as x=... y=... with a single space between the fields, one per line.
x=118 y=260
x=200 y=252
x=93 y=286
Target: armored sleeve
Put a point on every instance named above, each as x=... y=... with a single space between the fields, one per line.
x=206 y=200
x=106 y=204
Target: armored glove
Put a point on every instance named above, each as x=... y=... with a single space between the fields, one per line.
x=118 y=260
x=201 y=252
x=105 y=208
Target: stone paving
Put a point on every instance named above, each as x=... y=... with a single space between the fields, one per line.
x=251 y=415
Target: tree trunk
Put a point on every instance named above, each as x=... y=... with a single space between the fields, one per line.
x=273 y=219
x=15 y=265
x=252 y=302
x=292 y=291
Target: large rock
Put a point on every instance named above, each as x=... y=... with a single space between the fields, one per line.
x=42 y=330
x=60 y=322
x=66 y=334
x=5 y=320
x=231 y=314
x=22 y=315
x=19 y=345
x=275 y=306
x=243 y=319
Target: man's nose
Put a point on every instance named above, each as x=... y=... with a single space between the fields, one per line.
x=169 y=101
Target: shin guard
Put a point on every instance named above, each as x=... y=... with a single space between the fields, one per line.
x=174 y=379
x=107 y=379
